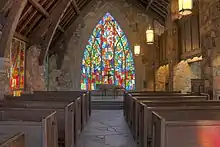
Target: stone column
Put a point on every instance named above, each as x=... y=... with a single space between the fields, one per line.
x=34 y=72
x=4 y=80
x=210 y=43
x=173 y=52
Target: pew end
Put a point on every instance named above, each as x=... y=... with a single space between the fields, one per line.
x=39 y=126
x=190 y=129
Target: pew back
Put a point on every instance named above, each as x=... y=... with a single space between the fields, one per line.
x=132 y=108
x=67 y=124
x=85 y=101
x=59 y=94
x=180 y=97
x=40 y=128
x=155 y=92
x=130 y=100
x=189 y=128
x=68 y=95
x=145 y=108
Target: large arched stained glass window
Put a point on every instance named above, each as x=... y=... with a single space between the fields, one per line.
x=107 y=58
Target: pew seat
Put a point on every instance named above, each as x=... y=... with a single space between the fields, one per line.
x=12 y=139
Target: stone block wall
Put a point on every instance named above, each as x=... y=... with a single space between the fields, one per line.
x=34 y=73
x=162 y=78
x=53 y=74
x=210 y=44
x=183 y=73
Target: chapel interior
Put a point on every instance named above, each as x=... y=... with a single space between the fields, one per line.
x=109 y=73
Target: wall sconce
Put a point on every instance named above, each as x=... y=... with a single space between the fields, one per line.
x=185 y=7
x=150 y=36
x=137 y=50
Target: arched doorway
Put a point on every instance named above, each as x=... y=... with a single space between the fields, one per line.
x=107 y=57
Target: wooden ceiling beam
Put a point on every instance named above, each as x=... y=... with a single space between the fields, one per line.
x=39 y=8
x=156 y=11
x=66 y=14
x=67 y=17
x=61 y=29
x=159 y=9
x=17 y=35
x=167 y=1
x=161 y=5
x=73 y=2
x=48 y=28
x=5 y=6
x=149 y=4
x=81 y=3
x=34 y=18
x=10 y=25
x=157 y=16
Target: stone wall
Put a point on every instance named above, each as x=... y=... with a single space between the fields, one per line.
x=4 y=80
x=4 y=70
x=183 y=73
x=132 y=19
x=53 y=74
x=210 y=44
x=34 y=72
x=162 y=78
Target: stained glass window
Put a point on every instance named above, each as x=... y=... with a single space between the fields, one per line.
x=107 y=57
x=17 y=61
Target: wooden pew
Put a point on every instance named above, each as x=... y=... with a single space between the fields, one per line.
x=179 y=129
x=133 y=107
x=67 y=95
x=39 y=126
x=83 y=101
x=127 y=98
x=131 y=100
x=69 y=122
x=144 y=127
x=12 y=140
x=147 y=93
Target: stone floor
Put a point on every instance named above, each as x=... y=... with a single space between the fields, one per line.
x=106 y=128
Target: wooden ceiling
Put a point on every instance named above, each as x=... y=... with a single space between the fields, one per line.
x=36 y=12
x=160 y=7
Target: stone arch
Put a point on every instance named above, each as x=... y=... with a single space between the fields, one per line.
x=79 y=33
x=116 y=58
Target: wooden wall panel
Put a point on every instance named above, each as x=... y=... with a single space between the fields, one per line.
x=163 y=48
x=189 y=33
x=195 y=31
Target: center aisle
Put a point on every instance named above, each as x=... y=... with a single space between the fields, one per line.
x=106 y=128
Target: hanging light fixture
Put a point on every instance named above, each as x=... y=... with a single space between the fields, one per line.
x=185 y=7
x=137 y=50
x=150 y=36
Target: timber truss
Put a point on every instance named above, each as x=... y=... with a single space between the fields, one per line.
x=40 y=22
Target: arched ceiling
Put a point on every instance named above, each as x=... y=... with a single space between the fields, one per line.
x=42 y=17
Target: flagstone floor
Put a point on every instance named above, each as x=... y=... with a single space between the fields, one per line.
x=106 y=128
